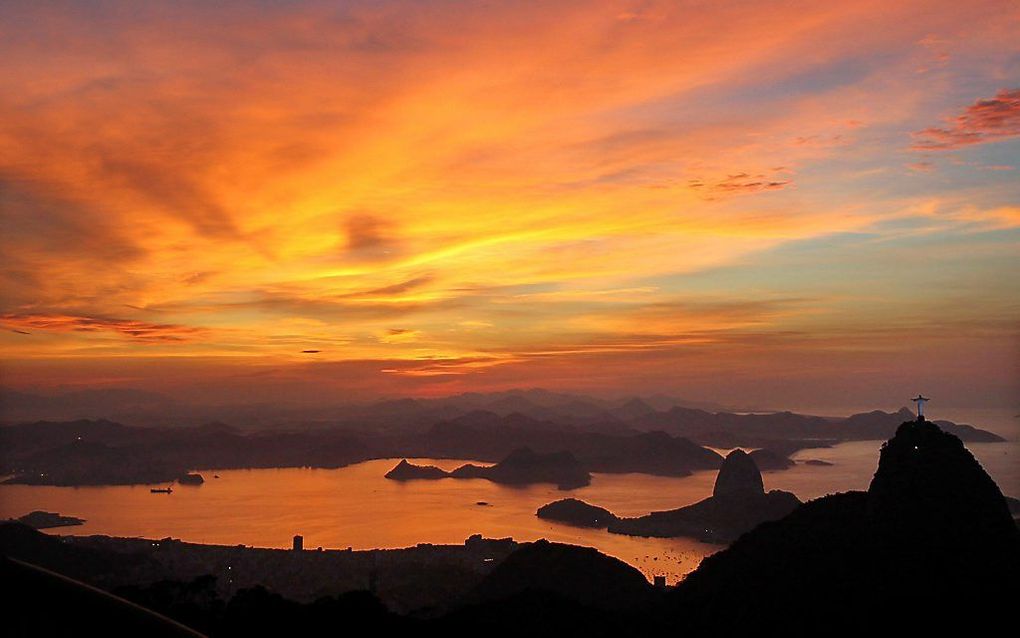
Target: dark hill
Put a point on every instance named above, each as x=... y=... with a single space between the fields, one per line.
x=520 y=467
x=91 y=565
x=927 y=480
x=87 y=462
x=725 y=429
x=486 y=436
x=578 y=513
x=525 y=466
x=738 y=473
x=405 y=471
x=770 y=460
x=578 y=574
x=930 y=546
x=738 y=504
x=44 y=603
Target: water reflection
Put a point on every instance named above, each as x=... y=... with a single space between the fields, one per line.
x=356 y=507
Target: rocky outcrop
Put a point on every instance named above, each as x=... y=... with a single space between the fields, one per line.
x=405 y=471
x=930 y=546
x=576 y=512
x=738 y=473
x=45 y=520
x=738 y=503
x=717 y=519
x=927 y=480
x=520 y=467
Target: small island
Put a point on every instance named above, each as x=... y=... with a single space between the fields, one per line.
x=45 y=520
x=521 y=467
x=190 y=478
x=405 y=471
x=577 y=513
x=818 y=462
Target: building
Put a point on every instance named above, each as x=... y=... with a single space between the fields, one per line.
x=299 y=543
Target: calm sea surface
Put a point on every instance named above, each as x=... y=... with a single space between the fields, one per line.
x=356 y=507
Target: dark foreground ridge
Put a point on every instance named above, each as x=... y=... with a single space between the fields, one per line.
x=930 y=547
x=931 y=544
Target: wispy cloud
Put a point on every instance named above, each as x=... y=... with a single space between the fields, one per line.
x=742 y=183
x=486 y=193
x=132 y=329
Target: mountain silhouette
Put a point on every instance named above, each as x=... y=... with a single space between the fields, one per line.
x=579 y=574
x=738 y=504
x=405 y=471
x=655 y=435
x=576 y=512
x=738 y=473
x=39 y=602
x=930 y=546
x=521 y=467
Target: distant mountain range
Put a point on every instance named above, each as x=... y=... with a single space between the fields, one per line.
x=632 y=435
x=140 y=407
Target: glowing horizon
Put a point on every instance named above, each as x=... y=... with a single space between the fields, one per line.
x=286 y=199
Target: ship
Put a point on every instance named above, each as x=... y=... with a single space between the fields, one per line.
x=162 y=490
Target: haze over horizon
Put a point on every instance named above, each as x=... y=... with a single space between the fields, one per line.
x=799 y=205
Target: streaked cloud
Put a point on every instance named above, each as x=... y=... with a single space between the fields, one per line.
x=738 y=183
x=131 y=329
x=449 y=195
x=986 y=120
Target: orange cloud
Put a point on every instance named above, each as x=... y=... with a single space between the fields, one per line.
x=136 y=330
x=500 y=183
x=986 y=120
x=743 y=183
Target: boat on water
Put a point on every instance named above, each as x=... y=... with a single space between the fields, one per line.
x=162 y=490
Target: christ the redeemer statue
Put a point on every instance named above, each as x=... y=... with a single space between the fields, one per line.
x=919 y=400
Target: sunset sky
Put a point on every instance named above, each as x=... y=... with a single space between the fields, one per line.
x=777 y=203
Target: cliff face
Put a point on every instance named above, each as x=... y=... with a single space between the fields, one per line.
x=738 y=504
x=927 y=480
x=738 y=474
x=930 y=545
